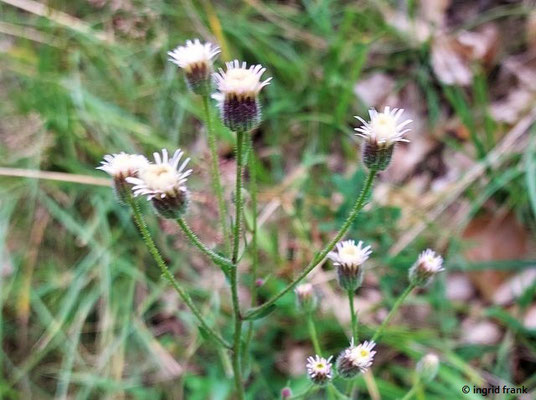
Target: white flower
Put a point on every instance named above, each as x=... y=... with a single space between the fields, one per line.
x=319 y=369
x=361 y=355
x=123 y=165
x=428 y=265
x=240 y=81
x=431 y=261
x=384 y=128
x=194 y=55
x=348 y=254
x=162 y=179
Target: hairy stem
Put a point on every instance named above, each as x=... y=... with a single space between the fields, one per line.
x=320 y=256
x=252 y=245
x=216 y=180
x=151 y=246
x=393 y=311
x=221 y=261
x=355 y=334
x=237 y=368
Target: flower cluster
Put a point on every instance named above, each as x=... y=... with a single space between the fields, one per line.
x=162 y=182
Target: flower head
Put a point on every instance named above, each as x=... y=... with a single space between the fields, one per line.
x=319 y=369
x=348 y=259
x=238 y=89
x=120 y=167
x=164 y=183
x=196 y=60
x=381 y=133
x=356 y=359
x=306 y=297
x=428 y=367
x=428 y=265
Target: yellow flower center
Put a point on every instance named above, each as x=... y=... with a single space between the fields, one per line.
x=349 y=251
x=241 y=79
x=384 y=126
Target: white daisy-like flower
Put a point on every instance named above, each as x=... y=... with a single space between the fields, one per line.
x=164 y=178
x=194 y=55
x=240 y=81
x=122 y=165
x=319 y=369
x=428 y=265
x=348 y=254
x=356 y=359
x=384 y=128
x=431 y=261
x=362 y=355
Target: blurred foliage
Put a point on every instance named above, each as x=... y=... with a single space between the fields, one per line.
x=85 y=313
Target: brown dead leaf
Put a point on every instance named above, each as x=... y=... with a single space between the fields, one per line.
x=453 y=56
x=492 y=238
x=483 y=332
x=374 y=89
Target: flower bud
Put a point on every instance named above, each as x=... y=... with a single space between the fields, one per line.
x=381 y=134
x=164 y=184
x=306 y=297
x=355 y=359
x=121 y=167
x=195 y=58
x=237 y=98
x=319 y=370
x=428 y=265
x=348 y=259
x=286 y=393
x=428 y=367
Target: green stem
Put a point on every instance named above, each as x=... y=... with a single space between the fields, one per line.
x=238 y=195
x=222 y=261
x=144 y=231
x=319 y=257
x=353 y=315
x=312 y=332
x=337 y=392
x=393 y=311
x=237 y=368
x=252 y=244
x=215 y=172
x=412 y=391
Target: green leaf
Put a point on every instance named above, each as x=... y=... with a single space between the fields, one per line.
x=263 y=313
